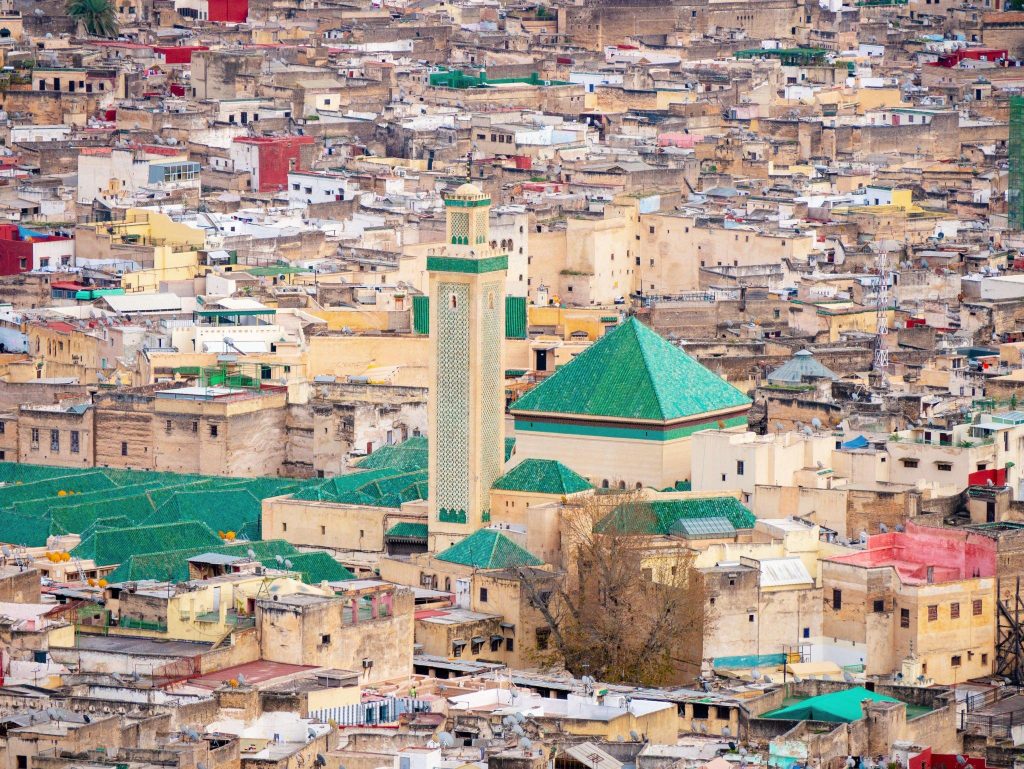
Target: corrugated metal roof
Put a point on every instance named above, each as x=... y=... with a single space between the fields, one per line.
x=588 y=754
x=782 y=572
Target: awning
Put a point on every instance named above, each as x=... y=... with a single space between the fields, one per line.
x=497 y=637
x=478 y=639
x=458 y=643
x=508 y=626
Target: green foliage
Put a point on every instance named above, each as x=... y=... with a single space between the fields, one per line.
x=97 y=16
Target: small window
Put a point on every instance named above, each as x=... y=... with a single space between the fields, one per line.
x=543 y=637
x=739 y=467
x=837 y=599
x=325 y=639
x=910 y=462
x=750 y=618
x=213 y=431
x=483 y=595
x=124 y=448
x=984 y=659
x=954 y=661
x=168 y=425
x=904 y=617
x=954 y=610
x=75 y=445
x=509 y=645
x=35 y=437
x=933 y=612
x=54 y=440
x=284 y=527
x=879 y=605
x=195 y=427
x=944 y=466
x=976 y=607
x=323 y=529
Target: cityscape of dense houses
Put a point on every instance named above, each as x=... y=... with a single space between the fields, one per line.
x=470 y=384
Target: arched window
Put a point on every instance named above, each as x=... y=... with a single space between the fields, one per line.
x=639 y=485
x=622 y=485
x=604 y=484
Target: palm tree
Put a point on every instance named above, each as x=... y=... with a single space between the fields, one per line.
x=96 y=15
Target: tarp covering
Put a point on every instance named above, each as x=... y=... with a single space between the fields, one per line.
x=838 y=707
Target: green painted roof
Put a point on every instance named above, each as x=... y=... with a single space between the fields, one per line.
x=661 y=516
x=632 y=373
x=837 y=707
x=542 y=476
x=407 y=530
x=488 y=549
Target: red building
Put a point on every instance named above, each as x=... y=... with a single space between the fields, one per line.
x=269 y=159
x=234 y=11
x=177 y=54
x=23 y=250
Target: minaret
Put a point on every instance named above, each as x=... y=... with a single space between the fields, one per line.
x=467 y=372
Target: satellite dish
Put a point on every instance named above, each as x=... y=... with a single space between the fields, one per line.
x=779 y=426
x=767 y=679
x=755 y=674
x=251 y=553
x=863 y=537
x=7 y=551
x=726 y=731
x=961 y=760
x=899 y=527
x=525 y=743
x=311 y=734
x=279 y=558
x=816 y=423
x=321 y=760
x=287 y=563
x=517 y=729
x=446 y=739
x=519 y=717
x=848 y=678
x=633 y=734
x=850 y=763
x=883 y=528
x=797 y=679
x=241 y=679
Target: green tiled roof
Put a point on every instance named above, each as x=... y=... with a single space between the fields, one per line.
x=314 y=567
x=172 y=565
x=632 y=373
x=542 y=476
x=407 y=530
x=510 y=447
x=661 y=516
x=114 y=546
x=488 y=549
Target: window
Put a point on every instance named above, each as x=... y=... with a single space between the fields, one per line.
x=878 y=605
x=933 y=612
x=74 y=442
x=54 y=440
x=976 y=607
x=739 y=467
x=168 y=425
x=22 y=762
x=195 y=427
x=543 y=636
x=837 y=599
x=483 y=595
x=35 y=437
x=284 y=527
x=984 y=659
x=323 y=529
x=124 y=448
x=213 y=431
x=910 y=462
x=325 y=639
x=954 y=661
x=3 y=427
x=750 y=618
x=944 y=466
x=904 y=617
x=954 y=610
x=509 y=645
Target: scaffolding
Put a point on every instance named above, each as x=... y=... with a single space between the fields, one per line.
x=1010 y=634
x=1015 y=191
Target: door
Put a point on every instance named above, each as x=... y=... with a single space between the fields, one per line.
x=462 y=591
x=541 y=360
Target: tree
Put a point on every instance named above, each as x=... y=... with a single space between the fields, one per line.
x=97 y=16
x=630 y=605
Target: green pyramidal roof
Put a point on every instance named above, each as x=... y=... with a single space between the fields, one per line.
x=488 y=549
x=542 y=476
x=632 y=373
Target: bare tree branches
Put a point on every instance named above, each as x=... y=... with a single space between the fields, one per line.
x=629 y=603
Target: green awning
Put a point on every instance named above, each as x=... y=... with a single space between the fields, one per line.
x=838 y=707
